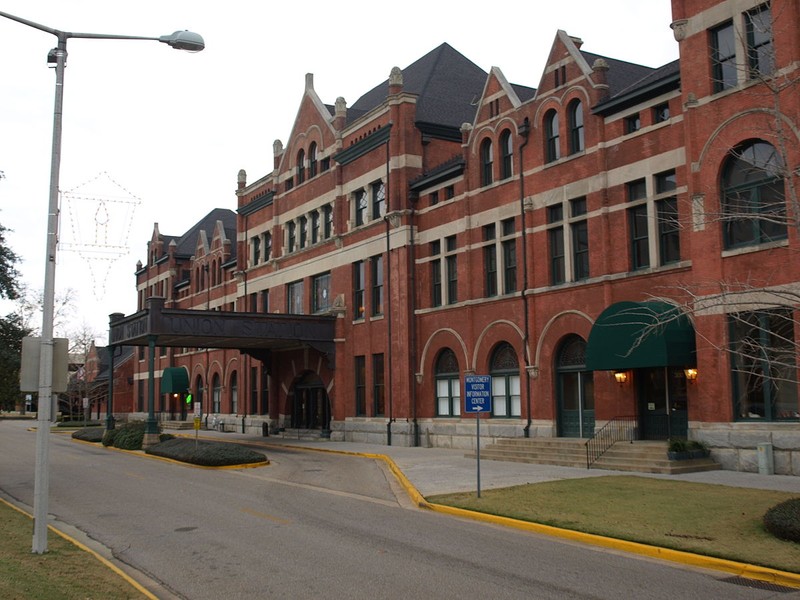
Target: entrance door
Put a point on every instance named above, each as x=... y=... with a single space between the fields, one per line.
x=574 y=391
x=310 y=406
x=662 y=403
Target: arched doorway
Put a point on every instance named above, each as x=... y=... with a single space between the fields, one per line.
x=574 y=390
x=310 y=404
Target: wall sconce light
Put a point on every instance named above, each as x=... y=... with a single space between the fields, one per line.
x=691 y=374
x=621 y=377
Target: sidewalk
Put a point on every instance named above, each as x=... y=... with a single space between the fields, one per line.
x=442 y=470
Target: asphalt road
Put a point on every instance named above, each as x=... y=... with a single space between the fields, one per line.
x=315 y=525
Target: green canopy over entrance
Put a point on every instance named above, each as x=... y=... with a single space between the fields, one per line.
x=637 y=335
x=175 y=380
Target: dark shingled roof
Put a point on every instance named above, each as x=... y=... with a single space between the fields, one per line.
x=448 y=85
x=187 y=243
x=621 y=74
x=655 y=82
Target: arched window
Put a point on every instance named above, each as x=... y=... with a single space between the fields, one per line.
x=575 y=114
x=552 y=150
x=312 y=159
x=486 y=162
x=301 y=166
x=234 y=394
x=448 y=385
x=507 y=155
x=753 y=197
x=504 y=370
x=216 y=394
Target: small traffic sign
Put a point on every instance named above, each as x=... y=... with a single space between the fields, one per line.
x=477 y=393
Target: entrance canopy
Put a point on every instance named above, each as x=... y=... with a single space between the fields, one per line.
x=256 y=334
x=175 y=380
x=636 y=335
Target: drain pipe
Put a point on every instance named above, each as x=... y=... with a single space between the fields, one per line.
x=388 y=307
x=524 y=131
x=412 y=322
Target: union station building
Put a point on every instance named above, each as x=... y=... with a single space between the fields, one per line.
x=617 y=243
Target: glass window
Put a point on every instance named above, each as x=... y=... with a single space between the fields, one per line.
x=303 y=225
x=361 y=207
x=723 y=57
x=448 y=385
x=640 y=241
x=256 y=242
x=580 y=249
x=295 y=298
x=312 y=159
x=216 y=394
x=234 y=394
x=557 y=258
x=322 y=292
x=763 y=366
x=575 y=115
x=504 y=370
x=378 y=200
x=489 y=262
x=661 y=113
x=451 y=268
x=301 y=167
x=633 y=123
x=361 y=386
x=315 y=227
x=267 y=246
x=378 y=387
x=486 y=162
x=760 y=51
x=358 y=290
x=376 y=263
x=637 y=190
x=669 y=240
x=552 y=148
x=292 y=232
x=327 y=212
x=753 y=201
x=507 y=158
x=666 y=182
x=449 y=192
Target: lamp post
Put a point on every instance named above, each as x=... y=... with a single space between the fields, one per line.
x=181 y=40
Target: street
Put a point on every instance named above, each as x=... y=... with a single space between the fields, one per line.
x=316 y=525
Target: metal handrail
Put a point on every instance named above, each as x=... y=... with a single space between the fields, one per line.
x=616 y=430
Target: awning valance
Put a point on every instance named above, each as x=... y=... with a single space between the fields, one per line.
x=636 y=335
x=175 y=380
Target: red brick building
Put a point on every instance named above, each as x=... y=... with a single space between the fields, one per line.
x=616 y=244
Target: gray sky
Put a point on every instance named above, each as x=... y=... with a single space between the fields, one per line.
x=156 y=135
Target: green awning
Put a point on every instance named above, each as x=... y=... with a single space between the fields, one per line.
x=636 y=335
x=175 y=380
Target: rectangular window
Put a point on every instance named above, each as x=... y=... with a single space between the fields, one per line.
x=303 y=232
x=265 y=301
x=434 y=198
x=325 y=164
x=763 y=366
x=637 y=190
x=291 y=226
x=378 y=200
x=361 y=386
x=489 y=262
x=256 y=243
x=449 y=192
x=580 y=250
x=666 y=182
x=436 y=274
x=640 y=241
x=253 y=390
x=661 y=113
x=509 y=266
x=376 y=267
x=633 y=123
x=315 y=227
x=448 y=396
x=327 y=218
x=760 y=51
x=294 y=295
x=451 y=267
x=361 y=207
x=557 y=257
x=253 y=302
x=378 y=387
x=358 y=290
x=322 y=292
x=669 y=240
x=723 y=57
x=267 y=246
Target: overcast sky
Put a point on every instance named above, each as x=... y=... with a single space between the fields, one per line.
x=152 y=134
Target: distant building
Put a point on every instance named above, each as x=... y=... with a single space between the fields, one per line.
x=585 y=242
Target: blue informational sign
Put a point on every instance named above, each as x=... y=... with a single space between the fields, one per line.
x=477 y=393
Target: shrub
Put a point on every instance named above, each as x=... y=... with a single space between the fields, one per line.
x=783 y=520
x=108 y=437
x=89 y=434
x=130 y=436
x=209 y=454
x=163 y=437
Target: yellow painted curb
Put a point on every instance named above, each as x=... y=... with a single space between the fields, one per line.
x=104 y=561
x=783 y=578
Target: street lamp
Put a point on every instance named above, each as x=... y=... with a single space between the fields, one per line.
x=180 y=40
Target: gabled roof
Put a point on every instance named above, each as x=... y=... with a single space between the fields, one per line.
x=448 y=84
x=186 y=244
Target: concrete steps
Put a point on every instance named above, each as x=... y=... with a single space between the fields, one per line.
x=639 y=456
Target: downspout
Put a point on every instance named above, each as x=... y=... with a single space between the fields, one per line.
x=388 y=303
x=413 y=324
x=524 y=131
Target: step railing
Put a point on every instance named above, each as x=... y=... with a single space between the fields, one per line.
x=618 y=429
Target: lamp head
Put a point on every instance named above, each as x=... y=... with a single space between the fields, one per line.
x=184 y=40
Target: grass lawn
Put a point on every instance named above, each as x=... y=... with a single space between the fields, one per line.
x=712 y=520
x=64 y=572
